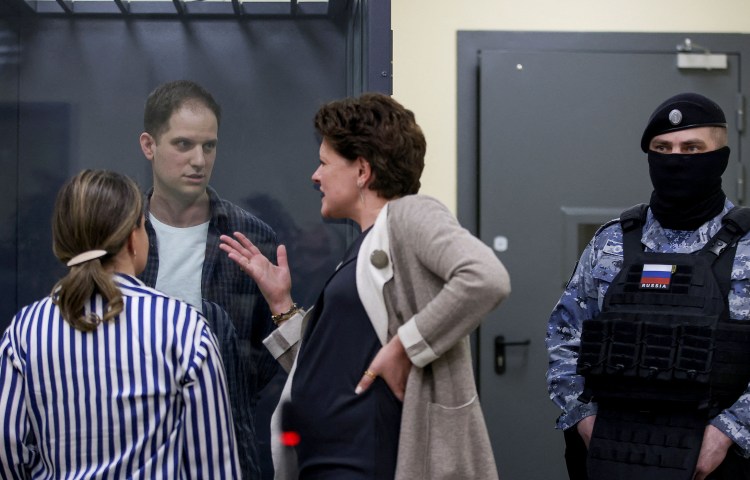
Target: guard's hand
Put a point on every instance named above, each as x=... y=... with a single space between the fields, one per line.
x=274 y=282
x=392 y=365
x=585 y=427
x=713 y=451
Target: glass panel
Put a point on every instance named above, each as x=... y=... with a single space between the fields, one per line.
x=9 y=82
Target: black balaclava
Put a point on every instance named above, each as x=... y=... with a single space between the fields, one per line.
x=687 y=187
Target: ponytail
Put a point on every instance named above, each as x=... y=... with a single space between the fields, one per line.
x=95 y=210
x=75 y=290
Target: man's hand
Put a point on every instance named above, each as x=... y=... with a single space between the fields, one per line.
x=392 y=364
x=713 y=451
x=585 y=427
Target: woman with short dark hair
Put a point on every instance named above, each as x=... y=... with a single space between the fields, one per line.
x=381 y=384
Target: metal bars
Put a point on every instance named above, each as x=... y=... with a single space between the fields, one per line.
x=177 y=8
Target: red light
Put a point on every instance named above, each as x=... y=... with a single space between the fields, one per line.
x=290 y=439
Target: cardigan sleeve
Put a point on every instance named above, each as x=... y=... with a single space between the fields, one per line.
x=283 y=342
x=473 y=279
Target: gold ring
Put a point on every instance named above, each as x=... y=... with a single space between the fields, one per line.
x=370 y=374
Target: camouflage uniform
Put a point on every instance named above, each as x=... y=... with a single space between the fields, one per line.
x=583 y=298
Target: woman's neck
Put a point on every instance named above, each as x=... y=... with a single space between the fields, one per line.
x=368 y=213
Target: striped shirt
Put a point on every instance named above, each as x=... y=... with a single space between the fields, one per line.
x=142 y=396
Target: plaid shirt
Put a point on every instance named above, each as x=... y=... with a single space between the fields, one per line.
x=226 y=286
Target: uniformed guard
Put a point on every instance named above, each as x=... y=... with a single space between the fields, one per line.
x=649 y=345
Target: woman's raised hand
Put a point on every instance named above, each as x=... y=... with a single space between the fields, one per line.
x=274 y=281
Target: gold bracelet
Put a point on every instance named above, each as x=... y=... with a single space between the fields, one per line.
x=281 y=317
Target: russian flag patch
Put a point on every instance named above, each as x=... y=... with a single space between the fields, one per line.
x=657 y=277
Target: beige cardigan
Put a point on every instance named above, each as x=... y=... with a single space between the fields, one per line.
x=439 y=283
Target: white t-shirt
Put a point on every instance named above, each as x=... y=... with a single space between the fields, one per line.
x=181 y=255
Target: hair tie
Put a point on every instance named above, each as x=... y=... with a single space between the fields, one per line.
x=86 y=256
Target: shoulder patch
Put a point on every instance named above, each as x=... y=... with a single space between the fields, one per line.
x=613 y=248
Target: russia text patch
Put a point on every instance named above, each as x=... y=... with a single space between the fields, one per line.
x=657 y=277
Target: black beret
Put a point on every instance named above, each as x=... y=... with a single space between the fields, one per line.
x=683 y=111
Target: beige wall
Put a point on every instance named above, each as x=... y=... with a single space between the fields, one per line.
x=424 y=50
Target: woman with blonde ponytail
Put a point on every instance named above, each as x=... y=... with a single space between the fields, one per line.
x=95 y=238
x=106 y=376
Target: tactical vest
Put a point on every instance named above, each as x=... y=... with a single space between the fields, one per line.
x=663 y=356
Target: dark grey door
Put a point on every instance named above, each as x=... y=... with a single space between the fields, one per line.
x=559 y=151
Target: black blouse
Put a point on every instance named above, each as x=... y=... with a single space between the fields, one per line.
x=343 y=435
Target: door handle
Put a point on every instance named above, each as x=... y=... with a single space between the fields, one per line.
x=500 y=346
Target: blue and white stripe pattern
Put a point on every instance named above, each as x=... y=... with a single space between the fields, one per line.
x=143 y=396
